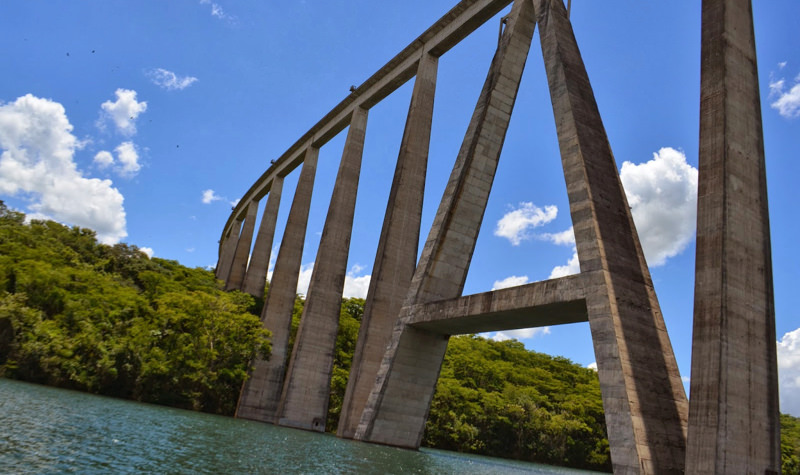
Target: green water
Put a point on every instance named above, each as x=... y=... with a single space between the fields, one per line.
x=48 y=430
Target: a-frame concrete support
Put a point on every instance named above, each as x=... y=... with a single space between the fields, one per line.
x=643 y=396
x=261 y=392
x=306 y=390
x=242 y=253
x=397 y=249
x=259 y=260
x=734 y=424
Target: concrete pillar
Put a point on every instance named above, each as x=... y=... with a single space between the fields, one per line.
x=259 y=260
x=304 y=402
x=734 y=424
x=397 y=249
x=223 y=269
x=262 y=391
x=398 y=405
x=242 y=254
x=643 y=397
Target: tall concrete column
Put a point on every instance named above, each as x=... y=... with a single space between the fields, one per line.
x=223 y=269
x=259 y=260
x=734 y=424
x=643 y=397
x=304 y=402
x=398 y=405
x=242 y=254
x=261 y=393
x=397 y=249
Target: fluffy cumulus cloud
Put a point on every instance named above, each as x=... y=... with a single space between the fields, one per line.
x=147 y=250
x=516 y=225
x=169 y=80
x=511 y=281
x=354 y=285
x=789 y=372
x=127 y=161
x=571 y=267
x=662 y=194
x=785 y=98
x=37 y=164
x=124 y=111
x=209 y=196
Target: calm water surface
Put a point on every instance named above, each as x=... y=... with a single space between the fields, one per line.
x=48 y=430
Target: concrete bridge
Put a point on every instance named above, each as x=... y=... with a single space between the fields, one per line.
x=415 y=303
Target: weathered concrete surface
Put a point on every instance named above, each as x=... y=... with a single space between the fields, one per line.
x=643 y=397
x=242 y=254
x=262 y=249
x=399 y=403
x=229 y=243
x=304 y=401
x=396 y=257
x=261 y=393
x=734 y=424
x=550 y=302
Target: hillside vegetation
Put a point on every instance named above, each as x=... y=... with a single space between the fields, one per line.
x=109 y=320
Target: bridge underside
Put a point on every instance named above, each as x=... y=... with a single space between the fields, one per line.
x=415 y=302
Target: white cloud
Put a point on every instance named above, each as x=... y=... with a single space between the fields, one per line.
x=511 y=281
x=169 y=80
x=209 y=196
x=37 y=162
x=128 y=159
x=521 y=334
x=124 y=111
x=516 y=224
x=147 y=250
x=592 y=365
x=789 y=372
x=787 y=102
x=104 y=159
x=216 y=10
x=564 y=238
x=356 y=286
x=573 y=266
x=304 y=279
x=662 y=194
x=235 y=202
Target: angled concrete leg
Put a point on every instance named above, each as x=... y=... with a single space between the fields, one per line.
x=259 y=261
x=228 y=250
x=242 y=254
x=397 y=249
x=304 y=401
x=400 y=400
x=643 y=397
x=734 y=424
x=261 y=393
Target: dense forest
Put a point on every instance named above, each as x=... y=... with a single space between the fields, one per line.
x=109 y=320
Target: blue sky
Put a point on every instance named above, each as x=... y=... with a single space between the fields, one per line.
x=146 y=120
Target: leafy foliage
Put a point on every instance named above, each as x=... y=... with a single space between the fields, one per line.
x=790 y=445
x=109 y=320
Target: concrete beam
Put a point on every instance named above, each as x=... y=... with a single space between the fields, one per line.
x=242 y=254
x=397 y=249
x=643 y=397
x=550 y=302
x=400 y=400
x=734 y=424
x=455 y=25
x=259 y=260
x=306 y=390
x=261 y=393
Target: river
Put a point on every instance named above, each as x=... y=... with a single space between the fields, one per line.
x=46 y=430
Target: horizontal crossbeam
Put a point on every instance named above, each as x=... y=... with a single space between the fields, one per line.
x=550 y=302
